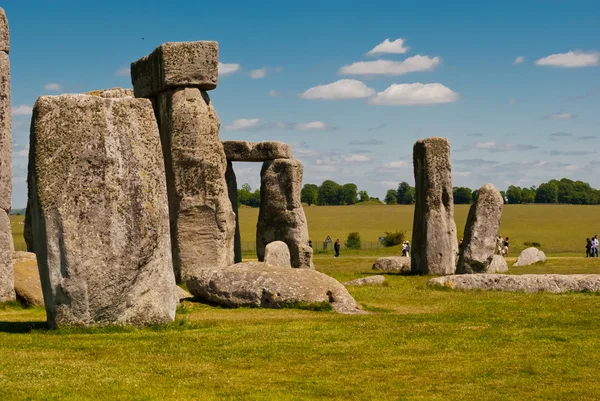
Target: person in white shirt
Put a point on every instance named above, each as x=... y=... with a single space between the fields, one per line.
x=595 y=244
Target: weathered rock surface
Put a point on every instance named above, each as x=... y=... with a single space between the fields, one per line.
x=21 y=256
x=554 y=283
x=261 y=285
x=112 y=93
x=7 y=292
x=481 y=231
x=28 y=287
x=530 y=256
x=277 y=254
x=4 y=33
x=498 y=265
x=99 y=213
x=370 y=280
x=177 y=65
x=281 y=217
x=202 y=218
x=182 y=294
x=232 y=191
x=5 y=134
x=434 y=244
x=393 y=264
x=244 y=151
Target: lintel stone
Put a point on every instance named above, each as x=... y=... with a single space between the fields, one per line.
x=244 y=151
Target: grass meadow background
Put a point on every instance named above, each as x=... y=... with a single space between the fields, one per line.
x=417 y=342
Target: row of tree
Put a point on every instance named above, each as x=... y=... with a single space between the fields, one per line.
x=555 y=191
x=330 y=193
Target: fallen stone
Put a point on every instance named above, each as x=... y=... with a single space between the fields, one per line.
x=281 y=216
x=481 y=231
x=176 y=65
x=258 y=284
x=4 y=33
x=370 y=280
x=530 y=256
x=182 y=294
x=7 y=292
x=277 y=254
x=434 y=244
x=498 y=265
x=5 y=133
x=20 y=256
x=393 y=264
x=112 y=93
x=202 y=218
x=99 y=215
x=232 y=192
x=244 y=151
x=28 y=287
x=553 y=283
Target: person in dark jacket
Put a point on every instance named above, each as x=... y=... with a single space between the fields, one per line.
x=336 y=248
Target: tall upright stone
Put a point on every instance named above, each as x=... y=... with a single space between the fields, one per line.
x=98 y=211
x=176 y=77
x=479 y=242
x=6 y=244
x=232 y=191
x=281 y=217
x=434 y=244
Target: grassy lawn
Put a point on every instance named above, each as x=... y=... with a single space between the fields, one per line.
x=418 y=343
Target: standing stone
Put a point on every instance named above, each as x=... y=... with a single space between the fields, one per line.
x=481 y=231
x=202 y=219
x=232 y=191
x=281 y=217
x=7 y=292
x=98 y=211
x=434 y=234
x=4 y=33
x=277 y=254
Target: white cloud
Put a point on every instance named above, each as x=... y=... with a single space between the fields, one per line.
x=519 y=60
x=242 y=124
x=397 y=164
x=561 y=116
x=395 y=47
x=226 y=69
x=258 y=74
x=495 y=147
x=314 y=125
x=21 y=153
x=342 y=89
x=356 y=158
x=388 y=67
x=513 y=101
x=414 y=94
x=571 y=59
x=123 y=72
x=53 y=87
x=274 y=93
x=22 y=110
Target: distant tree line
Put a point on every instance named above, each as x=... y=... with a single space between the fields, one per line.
x=330 y=193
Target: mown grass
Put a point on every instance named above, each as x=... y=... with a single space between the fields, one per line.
x=419 y=343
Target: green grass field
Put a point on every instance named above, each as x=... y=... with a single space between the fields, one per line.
x=418 y=343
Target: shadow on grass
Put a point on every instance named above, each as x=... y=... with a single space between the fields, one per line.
x=21 y=327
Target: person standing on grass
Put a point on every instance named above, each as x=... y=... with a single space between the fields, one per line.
x=595 y=246
x=506 y=246
x=588 y=247
x=336 y=248
x=499 y=244
x=407 y=249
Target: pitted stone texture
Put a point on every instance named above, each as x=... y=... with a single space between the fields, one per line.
x=281 y=217
x=112 y=93
x=202 y=218
x=232 y=191
x=258 y=284
x=27 y=283
x=7 y=292
x=4 y=33
x=553 y=283
x=530 y=256
x=434 y=241
x=244 y=151
x=370 y=280
x=481 y=231
x=277 y=254
x=99 y=212
x=393 y=264
x=498 y=265
x=176 y=65
x=5 y=134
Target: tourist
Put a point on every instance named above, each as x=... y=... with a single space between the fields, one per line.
x=499 y=244
x=588 y=247
x=407 y=249
x=595 y=246
x=336 y=247
x=460 y=244
x=506 y=246
x=404 y=248
x=310 y=244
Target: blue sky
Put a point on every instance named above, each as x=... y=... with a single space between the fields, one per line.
x=514 y=85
